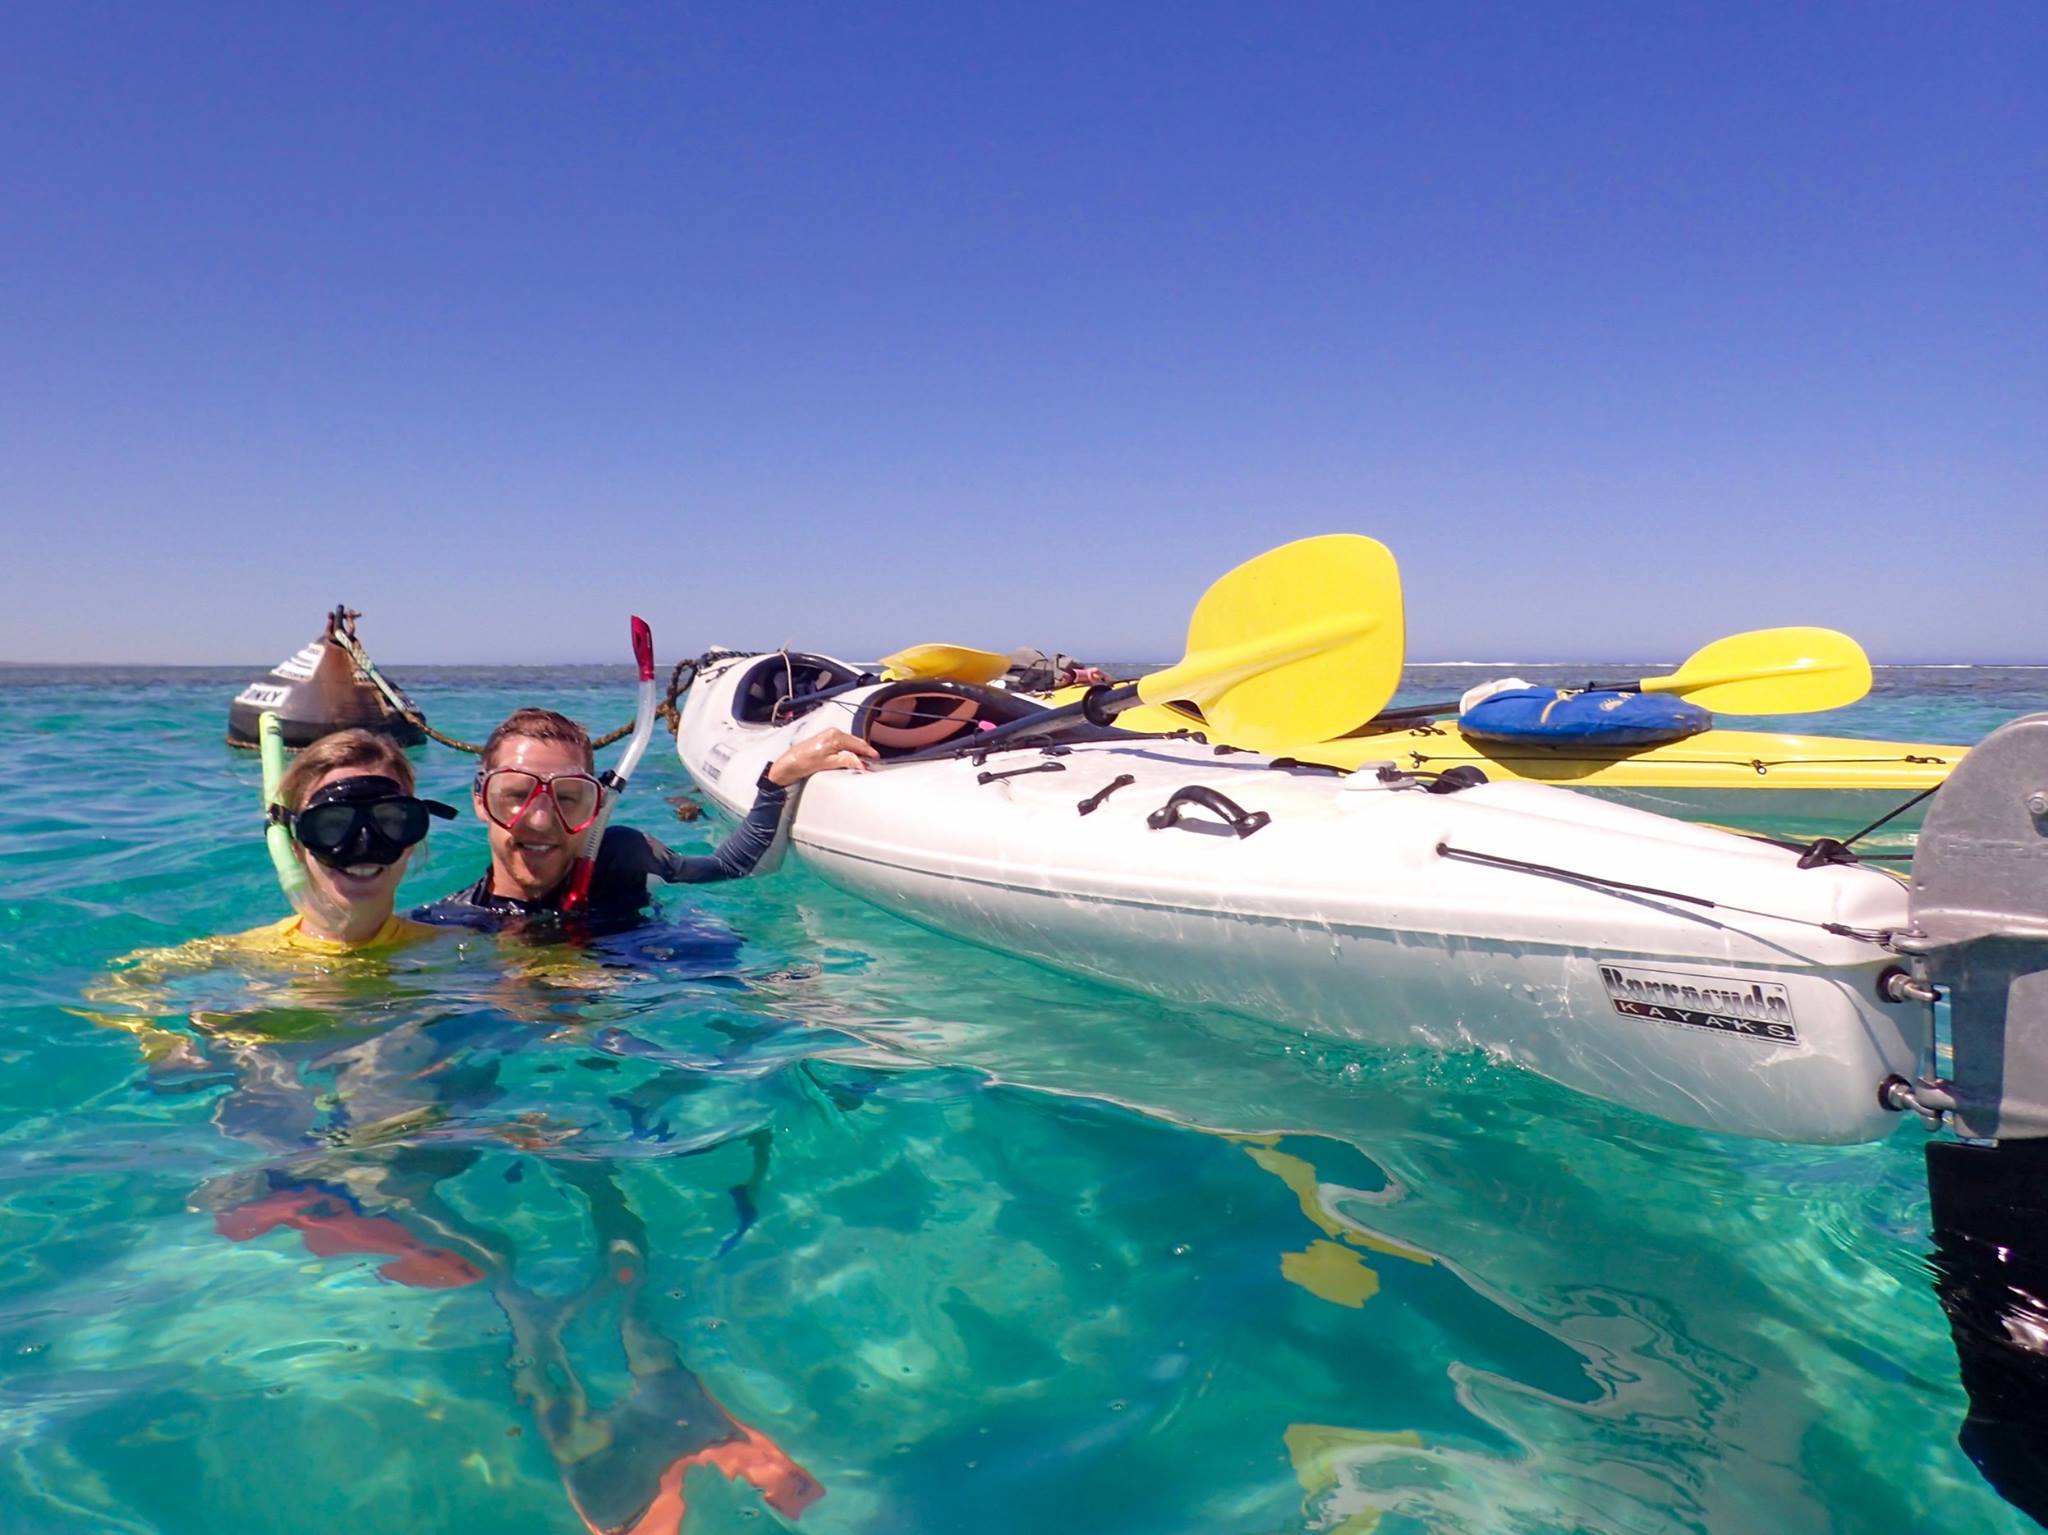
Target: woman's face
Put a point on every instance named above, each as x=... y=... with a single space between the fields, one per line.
x=358 y=885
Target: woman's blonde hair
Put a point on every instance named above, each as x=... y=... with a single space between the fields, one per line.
x=363 y=749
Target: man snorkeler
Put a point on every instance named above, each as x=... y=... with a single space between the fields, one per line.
x=537 y=793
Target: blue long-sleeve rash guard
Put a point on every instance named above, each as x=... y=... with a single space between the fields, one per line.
x=626 y=860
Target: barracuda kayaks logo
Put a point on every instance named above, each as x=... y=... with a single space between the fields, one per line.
x=1752 y=1009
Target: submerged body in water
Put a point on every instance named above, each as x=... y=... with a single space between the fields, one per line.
x=363 y=1119
x=365 y=1097
x=619 y=894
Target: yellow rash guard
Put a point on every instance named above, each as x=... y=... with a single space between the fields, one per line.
x=132 y=986
x=283 y=939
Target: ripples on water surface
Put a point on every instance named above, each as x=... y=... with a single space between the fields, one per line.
x=975 y=1246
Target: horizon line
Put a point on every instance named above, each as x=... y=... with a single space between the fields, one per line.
x=259 y=669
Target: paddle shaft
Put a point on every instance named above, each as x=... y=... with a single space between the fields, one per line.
x=1099 y=706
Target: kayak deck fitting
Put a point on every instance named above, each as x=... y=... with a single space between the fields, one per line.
x=1822 y=783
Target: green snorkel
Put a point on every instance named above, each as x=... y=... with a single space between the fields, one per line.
x=277 y=834
x=292 y=878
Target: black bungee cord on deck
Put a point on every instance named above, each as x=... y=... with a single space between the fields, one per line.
x=1880 y=936
x=1826 y=850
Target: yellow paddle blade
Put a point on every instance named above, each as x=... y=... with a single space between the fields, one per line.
x=1299 y=644
x=950 y=663
x=1771 y=671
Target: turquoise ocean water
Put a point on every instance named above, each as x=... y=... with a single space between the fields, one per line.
x=979 y=1247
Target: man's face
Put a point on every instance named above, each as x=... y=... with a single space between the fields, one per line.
x=534 y=855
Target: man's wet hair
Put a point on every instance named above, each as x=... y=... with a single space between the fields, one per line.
x=539 y=725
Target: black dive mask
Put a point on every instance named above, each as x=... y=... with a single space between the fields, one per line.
x=366 y=819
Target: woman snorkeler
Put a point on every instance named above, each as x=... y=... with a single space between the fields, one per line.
x=348 y=807
x=368 y=1085
x=342 y=822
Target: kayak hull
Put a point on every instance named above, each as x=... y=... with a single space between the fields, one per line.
x=1370 y=913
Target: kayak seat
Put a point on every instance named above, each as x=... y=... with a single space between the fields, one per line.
x=918 y=720
x=781 y=675
x=912 y=716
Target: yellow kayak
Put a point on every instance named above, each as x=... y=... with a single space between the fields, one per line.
x=1822 y=785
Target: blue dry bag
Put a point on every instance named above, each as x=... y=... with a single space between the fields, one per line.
x=1547 y=717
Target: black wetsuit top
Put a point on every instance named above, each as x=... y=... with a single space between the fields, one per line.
x=626 y=859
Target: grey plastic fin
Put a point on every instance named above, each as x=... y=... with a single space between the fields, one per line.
x=1980 y=927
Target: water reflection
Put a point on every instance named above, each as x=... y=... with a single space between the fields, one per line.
x=377 y=1105
x=969 y=1242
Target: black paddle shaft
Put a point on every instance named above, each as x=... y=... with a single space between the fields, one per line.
x=1099 y=706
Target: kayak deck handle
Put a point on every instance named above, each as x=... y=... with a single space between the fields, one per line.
x=1240 y=820
x=1036 y=767
x=1094 y=801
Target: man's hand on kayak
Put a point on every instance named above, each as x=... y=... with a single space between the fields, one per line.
x=814 y=754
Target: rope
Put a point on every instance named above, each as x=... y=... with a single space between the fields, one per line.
x=414 y=717
x=419 y=719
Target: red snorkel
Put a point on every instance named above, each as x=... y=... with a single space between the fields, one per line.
x=614 y=779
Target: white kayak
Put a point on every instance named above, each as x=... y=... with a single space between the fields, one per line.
x=1680 y=970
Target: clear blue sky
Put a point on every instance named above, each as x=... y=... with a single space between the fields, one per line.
x=1625 y=325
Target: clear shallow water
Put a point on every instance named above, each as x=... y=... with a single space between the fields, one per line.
x=977 y=1246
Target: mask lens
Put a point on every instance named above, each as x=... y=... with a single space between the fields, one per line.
x=576 y=800
x=506 y=793
x=325 y=828
x=403 y=821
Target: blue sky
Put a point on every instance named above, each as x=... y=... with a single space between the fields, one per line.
x=1624 y=325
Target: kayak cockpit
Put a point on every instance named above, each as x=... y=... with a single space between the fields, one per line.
x=773 y=682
